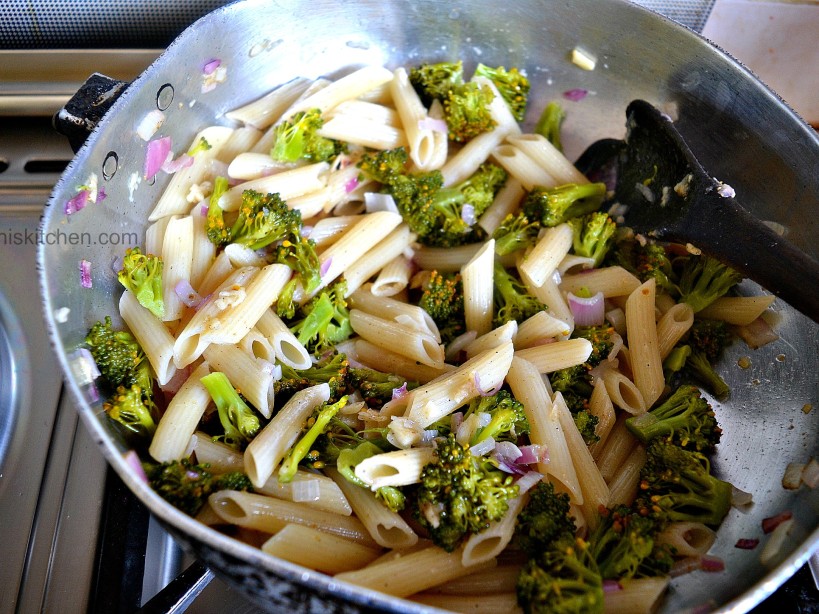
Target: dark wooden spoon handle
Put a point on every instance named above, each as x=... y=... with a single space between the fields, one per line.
x=726 y=231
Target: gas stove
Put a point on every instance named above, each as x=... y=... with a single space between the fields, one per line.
x=73 y=537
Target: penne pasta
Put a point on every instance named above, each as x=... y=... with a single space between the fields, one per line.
x=477 y=276
x=318 y=550
x=644 y=348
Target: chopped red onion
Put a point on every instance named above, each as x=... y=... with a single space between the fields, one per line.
x=810 y=474
x=533 y=453
x=455 y=421
x=484 y=418
x=528 y=480
x=575 y=94
x=588 y=311
x=351 y=185
x=132 y=460
x=377 y=201
x=101 y=195
x=507 y=450
x=175 y=383
x=792 y=479
x=468 y=214
x=769 y=524
x=709 y=562
x=183 y=161
x=483 y=391
x=684 y=566
x=746 y=543
x=430 y=123
x=203 y=209
x=428 y=435
x=211 y=65
x=84 y=366
x=325 y=266
x=399 y=393
x=739 y=497
x=187 y=294
x=77 y=203
x=156 y=154
x=757 y=333
x=85 y=274
x=484 y=447
x=611 y=586
x=149 y=124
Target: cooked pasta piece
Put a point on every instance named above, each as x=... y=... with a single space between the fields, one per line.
x=179 y=422
x=151 y=334
x=271 y=515
x=319 y=550
x=312 y=489
x=555 y=356
x=477 y=276
x=540 y=263
x=270 y=445
x=530 y=389
x=411 y=573
x=737 y=310
x=252 y=377
x=643 y=345
x=386 y=527
x=264 y=111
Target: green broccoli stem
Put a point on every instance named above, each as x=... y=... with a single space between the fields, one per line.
x=548 y=125
x=316 y=321
x=238 y=420
x=348 y=458
x=298 y=452
x=702 y=370
x=217 y=232
x=500 y=422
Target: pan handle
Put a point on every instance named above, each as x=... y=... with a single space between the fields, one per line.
x=84 y=110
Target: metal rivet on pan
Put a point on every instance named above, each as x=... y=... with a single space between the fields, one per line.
x=110 y=165
x=164 y=97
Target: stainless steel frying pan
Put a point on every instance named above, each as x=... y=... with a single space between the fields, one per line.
x=742 y=132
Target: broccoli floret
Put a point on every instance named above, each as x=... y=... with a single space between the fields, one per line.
x=440 y=216
x=392 y=498
x=553 y=206
x=563 y=580
x=548 y=125
x=376 y=387
x=433 y=81
x=264 y=219
x=543 y=520
x=459 y=494
x=187 y=486
x=317 y=425
x=133 y=410
x=299 y=253
x=142 y=275
x=676 y=485
x=217 y=232
x=507 y=419
x=326 y=320
x=332 y=369
x=466 y=105
x=466 y=111
x=478 y=190
x=512 y=299
x=119 y=358
x=601 y=338
x=623 y=546
x=646 y=262
x=515 y=232
x=684 y=418
x=593 y=235
x=704 y=279
x=200 y=145
x=512 y=85
x=586 y=423
x=238 y=419
x=710 y=337
x=443 y=299
x=297 y=139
